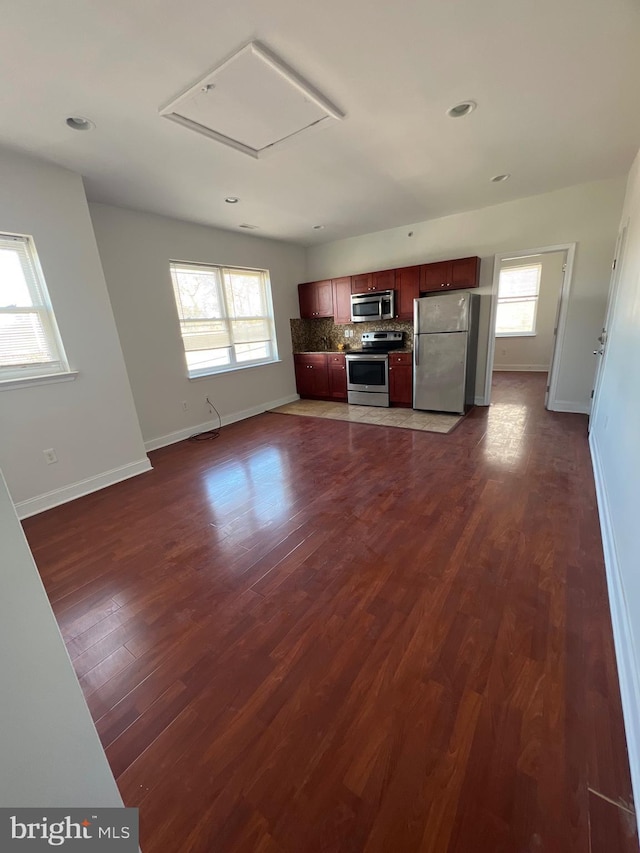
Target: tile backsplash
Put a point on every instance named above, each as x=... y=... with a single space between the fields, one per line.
x=324 y=334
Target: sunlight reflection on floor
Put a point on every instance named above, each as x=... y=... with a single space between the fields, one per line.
x=506 y=424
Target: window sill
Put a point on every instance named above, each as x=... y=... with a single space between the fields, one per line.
x=515 y=334
x=232 y=369
x=47 y=379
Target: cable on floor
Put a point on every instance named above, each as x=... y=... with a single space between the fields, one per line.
x=209 y=434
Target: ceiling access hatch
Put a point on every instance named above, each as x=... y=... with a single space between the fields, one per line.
x=252 y=102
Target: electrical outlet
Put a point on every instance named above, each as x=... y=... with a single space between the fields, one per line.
x=184 y=406
x=50 y=456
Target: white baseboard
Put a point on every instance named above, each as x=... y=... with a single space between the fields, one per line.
x=521 y=368
x=567 y=406
x=628 y=671
x=63 y=495
x=182 y=434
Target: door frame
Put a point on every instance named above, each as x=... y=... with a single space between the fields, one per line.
x=561 y=314
x=617 y=264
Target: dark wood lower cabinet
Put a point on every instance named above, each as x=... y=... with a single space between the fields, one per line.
x=312 y=374
x=323 y=376
x=401 y=379
x=337 y=376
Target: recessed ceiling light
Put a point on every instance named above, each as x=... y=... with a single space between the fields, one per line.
x=318 y=227
x=461 y=109
x=498 y=179
x=231 y=199
x=79 y=123
x=248 y=227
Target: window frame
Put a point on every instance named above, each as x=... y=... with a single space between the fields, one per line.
x=512 y=299
x=34 y=373
x=203 y=372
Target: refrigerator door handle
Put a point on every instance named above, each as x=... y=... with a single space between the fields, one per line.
x=416 y=357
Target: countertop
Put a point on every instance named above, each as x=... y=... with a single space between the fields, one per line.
x=341 y=352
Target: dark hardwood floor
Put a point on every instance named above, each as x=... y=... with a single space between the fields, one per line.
x=311 y=635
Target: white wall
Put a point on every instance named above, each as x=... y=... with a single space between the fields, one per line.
x=615 y=441
x=136 y=249
x=50 y=754
x=587 y=214
x=90 y=422
x=533 y=352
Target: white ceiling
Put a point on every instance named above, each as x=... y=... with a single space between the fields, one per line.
x=555 y=81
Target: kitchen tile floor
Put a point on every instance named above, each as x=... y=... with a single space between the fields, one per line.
x=403 y=418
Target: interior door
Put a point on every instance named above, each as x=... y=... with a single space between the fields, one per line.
x=600 y=352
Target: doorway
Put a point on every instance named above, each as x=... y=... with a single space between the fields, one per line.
x=528 y=314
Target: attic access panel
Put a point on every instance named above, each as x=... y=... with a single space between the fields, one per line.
x=252 y=102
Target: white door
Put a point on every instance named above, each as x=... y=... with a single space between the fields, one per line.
x=600 y=352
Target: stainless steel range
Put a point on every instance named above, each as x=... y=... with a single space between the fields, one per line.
x=368 y=369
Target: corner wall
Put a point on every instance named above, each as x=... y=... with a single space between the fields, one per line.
x=587 y=215
x=91 y=422
x=135 y=249
x=50 y=753
x=615 y=445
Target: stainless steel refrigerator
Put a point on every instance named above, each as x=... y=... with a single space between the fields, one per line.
x=445 y=347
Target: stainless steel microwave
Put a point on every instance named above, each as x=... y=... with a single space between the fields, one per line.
x=378 y=305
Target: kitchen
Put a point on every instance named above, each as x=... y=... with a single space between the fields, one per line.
x=357 y=338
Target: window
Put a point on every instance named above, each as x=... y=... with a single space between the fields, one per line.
x=30 y=343
x=518 y=291
x=226 y=317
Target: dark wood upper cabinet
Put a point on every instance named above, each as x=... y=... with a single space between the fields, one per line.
x=316 y=299
x=341 y=300
x=331 y=298
x=407 y=289
x=384 y=280
x=435 y=276
x=361 y=283
x=368 y=281
x=451 y=275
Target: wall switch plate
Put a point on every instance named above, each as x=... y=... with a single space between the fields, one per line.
x=50 y=456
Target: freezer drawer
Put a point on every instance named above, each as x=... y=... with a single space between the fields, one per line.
x=440 y=372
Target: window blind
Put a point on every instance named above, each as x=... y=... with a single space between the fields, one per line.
x=29 y=339
x=226 y=316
